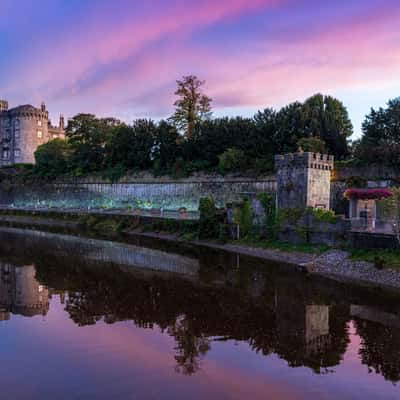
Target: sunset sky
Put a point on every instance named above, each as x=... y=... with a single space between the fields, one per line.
x=122 y=57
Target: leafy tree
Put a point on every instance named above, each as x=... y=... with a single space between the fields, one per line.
x=289 y=128
x=327 y=118
x=380 y=142
x=88 y=136
x=192 y=106
x=52 y=158
x=131 y=146
x=262 y=137
x=166 y=148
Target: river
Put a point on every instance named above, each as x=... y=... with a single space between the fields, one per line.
x=85 y=318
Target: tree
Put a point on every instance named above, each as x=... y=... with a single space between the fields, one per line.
x=327 y=118
x=52 y=158
x=380 y=142
x=88 y=136
x=289 y=128
x=165 y=146
x=192 y=106
x=131 y=147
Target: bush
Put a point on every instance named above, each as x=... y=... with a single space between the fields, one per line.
x=244 y=218
x=208 y=223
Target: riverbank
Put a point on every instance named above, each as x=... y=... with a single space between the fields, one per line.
x=331 y=264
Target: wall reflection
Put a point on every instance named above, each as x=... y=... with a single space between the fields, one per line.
x=303 y=321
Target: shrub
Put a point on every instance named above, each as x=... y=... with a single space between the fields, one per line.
x=208 y=223
x=244 y=218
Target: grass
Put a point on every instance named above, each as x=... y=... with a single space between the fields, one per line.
x=283 y=246
x=388 y=258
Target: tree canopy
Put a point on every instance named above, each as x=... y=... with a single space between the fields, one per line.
x=192 y=106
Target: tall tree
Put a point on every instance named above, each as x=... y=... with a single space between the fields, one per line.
x=327 y=118
x=381 y=135
x=88 y=136
x=131 y=146
x=192 y=106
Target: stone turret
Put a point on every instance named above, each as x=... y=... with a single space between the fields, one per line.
x=22 y=130
x=3 y=105
x=303 y=180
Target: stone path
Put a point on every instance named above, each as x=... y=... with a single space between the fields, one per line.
x=337 y=264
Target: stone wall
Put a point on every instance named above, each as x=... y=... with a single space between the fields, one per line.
x=309 y=230
x=154 y=194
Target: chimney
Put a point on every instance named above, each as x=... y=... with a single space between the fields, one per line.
x=62 y=123
x=43 y=106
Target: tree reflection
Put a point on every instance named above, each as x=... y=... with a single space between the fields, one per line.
x=380 y=348
x=302 y=321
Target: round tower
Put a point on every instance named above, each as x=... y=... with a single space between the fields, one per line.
x=29 y=127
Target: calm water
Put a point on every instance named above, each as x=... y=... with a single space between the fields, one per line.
x=91 y=319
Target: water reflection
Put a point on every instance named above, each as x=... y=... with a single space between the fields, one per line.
x=21 y=293
x=200 y=299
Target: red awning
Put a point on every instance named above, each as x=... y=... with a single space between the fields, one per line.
x=367 y=194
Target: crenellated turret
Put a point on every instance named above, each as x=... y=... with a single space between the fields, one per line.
x=22 y=130
x=303 y=180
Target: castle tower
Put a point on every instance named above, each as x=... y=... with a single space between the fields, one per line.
x=303 y=180
x=3 y=105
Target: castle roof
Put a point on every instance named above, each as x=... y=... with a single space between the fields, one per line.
x=25 y=107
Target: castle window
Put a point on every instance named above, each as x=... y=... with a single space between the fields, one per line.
x=6 y=153
x=39 y=122
x=17 y=152
x=39 y=134
x=16 y=124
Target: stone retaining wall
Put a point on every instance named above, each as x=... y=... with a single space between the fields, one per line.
x=166 y=195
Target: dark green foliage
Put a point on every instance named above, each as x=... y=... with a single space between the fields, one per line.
x=87 y=136
x=356 y=182
x=244 y=218
x=326 y=118
x=208 y=223
x=165 y=147
x=131 y=146
x=232 y=160
x=313 y=144
x=52 y=158
x=268 y=202
x=113 y=149
x=380 y=142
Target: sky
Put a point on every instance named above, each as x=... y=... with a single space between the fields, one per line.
x=122 y=58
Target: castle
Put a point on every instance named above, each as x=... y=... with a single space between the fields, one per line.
x=22 y=130
x=303 y=180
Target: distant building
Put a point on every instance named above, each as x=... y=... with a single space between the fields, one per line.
x=22 y=130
